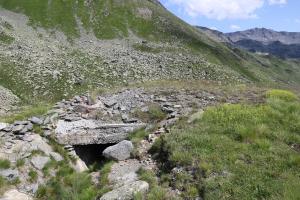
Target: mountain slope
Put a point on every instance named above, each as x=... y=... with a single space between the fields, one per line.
x=261 y=40
x=54 y=49
x=265 y=36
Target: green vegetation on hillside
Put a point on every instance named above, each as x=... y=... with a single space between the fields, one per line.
x=68 y=185
x=111 y=19
x=6 y=39
x=107 y=19
x=118 y=19
x=237 y=151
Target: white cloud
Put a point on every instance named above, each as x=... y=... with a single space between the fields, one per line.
x=235 y=27
x=216 y=9
x=274 y=2
x=223 y=9
x=213 y=28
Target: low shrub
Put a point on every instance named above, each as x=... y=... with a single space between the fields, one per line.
x=282 y=94
x=33 y=176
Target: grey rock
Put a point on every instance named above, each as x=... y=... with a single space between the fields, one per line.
x=95 y=177
x=127 y=192
x=26 y=128
x=36 y=120
x=124 y=172
x=17 y=128
x=80 y=166
x=3 y=126
x=89 y=100
x=57 y=157
x=46 y=120
x=126 y=119
x=84 y=132
x=168 y=109
x=9 y=174
x=110 y=103
x=14 y=194
x=72 y=118
x=39 y=162
x=8 y=128
x=21 y=122
x=32 y=188
x=120 y=151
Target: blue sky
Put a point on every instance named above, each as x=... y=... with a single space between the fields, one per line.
x=235 y=15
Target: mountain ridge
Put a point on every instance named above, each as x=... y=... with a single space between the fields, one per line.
x=266 y=36
x=261 y=40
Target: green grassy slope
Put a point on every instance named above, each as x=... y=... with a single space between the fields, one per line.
x=237 y=151
x=107 y=19
x=110 y=19
x=116 y=19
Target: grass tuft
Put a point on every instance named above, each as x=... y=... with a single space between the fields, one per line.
x=20 y=163
x=4 y=164
x=33 y=176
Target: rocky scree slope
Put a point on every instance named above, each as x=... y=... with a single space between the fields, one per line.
x=54 y=49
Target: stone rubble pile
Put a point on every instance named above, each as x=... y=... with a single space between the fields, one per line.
x=19 y=144
x=106 y=119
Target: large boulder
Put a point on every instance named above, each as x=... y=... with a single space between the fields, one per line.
x=83 y=132
x=120 y=151
x=36 y=120
x=127 y=192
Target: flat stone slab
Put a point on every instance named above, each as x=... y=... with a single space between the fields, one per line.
x=83 y=132
x=127 y=192
x=124 y=172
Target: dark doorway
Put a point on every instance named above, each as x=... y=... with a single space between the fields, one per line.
x=91 y=154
